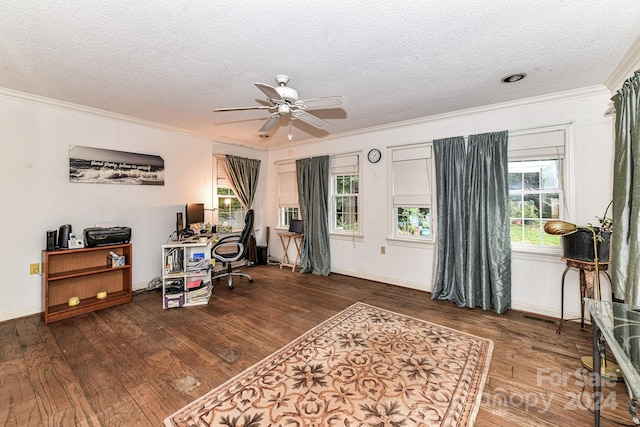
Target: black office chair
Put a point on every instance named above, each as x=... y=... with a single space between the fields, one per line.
x=234 y=248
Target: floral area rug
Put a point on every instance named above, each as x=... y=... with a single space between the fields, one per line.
x=363 y=367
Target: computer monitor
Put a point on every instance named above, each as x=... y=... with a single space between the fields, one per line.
x=194 y=213
x=296 y=226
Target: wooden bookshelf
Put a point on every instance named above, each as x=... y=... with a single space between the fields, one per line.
x=84 y=273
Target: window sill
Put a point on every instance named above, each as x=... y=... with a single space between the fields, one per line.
x=537 y=254
x=227 y=233
x=410 y=243
x=346 y=236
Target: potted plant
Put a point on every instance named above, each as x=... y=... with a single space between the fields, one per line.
x=411 y=220
x=580 y=244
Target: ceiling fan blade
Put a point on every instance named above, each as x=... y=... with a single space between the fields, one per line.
x=321 y=103
x=310 y=119
x=270 y=122
x=270 y=91
x=257 y=107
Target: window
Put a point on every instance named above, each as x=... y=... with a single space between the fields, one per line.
x=411 y=192
x=345 y=187
x=287 y=214
x=288 y=204
x=230 y=210
x=535 y=186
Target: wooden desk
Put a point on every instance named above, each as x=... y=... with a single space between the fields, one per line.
x=585 y=291
x=285 y=239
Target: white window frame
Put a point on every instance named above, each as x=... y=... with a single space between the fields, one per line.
x=406 y=190
x=344 y=165
x=523 y=145
x=222 y=182
x=287 y=192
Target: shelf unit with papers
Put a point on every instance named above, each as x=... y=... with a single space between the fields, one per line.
x=186 y=274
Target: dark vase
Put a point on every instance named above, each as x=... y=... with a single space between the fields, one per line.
x=579 y=245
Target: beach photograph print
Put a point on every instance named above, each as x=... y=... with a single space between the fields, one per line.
x=100 y=166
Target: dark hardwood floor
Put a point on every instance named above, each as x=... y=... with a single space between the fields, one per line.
x=137 y=363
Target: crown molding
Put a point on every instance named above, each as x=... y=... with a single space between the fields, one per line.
x=50 y=102
x=564 y=95
x=625 y=69
x=541 y=99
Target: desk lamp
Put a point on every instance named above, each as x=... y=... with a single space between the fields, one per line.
x=562 y=228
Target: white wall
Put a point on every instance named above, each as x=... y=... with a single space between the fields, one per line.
x=37 y=196
x=535 y=278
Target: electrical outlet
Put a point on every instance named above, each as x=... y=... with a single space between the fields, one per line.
x=383 y=250
x=34 y=268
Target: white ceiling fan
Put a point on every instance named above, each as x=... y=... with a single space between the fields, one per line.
x=284 y=100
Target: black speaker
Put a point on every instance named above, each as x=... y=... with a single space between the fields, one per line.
x=179 y=223
x=63 y=236
x=52 y=237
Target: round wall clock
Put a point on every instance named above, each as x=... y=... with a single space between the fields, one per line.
x=374 y=155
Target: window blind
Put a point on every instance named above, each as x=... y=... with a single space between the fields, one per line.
x=221 y=177
x=287 y=185
x=411 y=176
x=344 y=165
x=548 y=145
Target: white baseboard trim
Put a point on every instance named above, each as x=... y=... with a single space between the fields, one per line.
x=28 y=311
x=544 y=311
x=139 y=285
x=23 y=312
x=384 y=279
x=527 y=308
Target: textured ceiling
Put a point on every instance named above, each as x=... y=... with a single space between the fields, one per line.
x=173 y=61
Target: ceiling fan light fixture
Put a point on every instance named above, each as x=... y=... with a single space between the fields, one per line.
x=283 y=109
x=287 y=94
x=283 y=100
x=512 y=78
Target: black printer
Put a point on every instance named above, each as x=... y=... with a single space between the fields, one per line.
x=99 y=236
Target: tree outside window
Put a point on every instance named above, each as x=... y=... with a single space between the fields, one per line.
x=413 y=221
x=534 y=199
x=346 y=202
